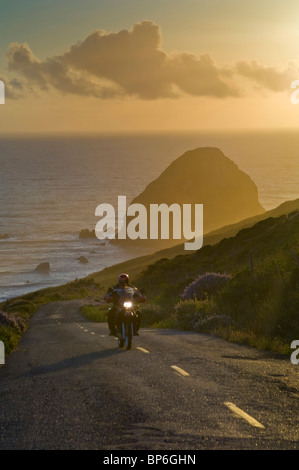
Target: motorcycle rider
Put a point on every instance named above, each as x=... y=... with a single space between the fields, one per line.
x=113 y=295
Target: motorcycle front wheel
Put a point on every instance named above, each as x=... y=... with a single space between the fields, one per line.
x=129 y=335
x=121 y=336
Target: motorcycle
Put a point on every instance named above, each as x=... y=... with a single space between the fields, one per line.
x=125 y=324
x=127 y=317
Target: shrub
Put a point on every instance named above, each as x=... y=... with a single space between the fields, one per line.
x=13 y=321
x=193 y=313
x=22 y=307
x=12 y=326
x=205 y=286
x=10 y=338
x=152 y=314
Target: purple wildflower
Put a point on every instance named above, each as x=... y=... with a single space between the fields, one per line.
x=205 y=286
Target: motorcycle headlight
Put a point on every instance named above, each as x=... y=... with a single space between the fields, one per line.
x=128 y=304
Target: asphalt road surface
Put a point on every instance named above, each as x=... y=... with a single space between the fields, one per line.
x=68 y=386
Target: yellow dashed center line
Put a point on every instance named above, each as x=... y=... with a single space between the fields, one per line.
x=240 y=413
x=180 y=371
x=143 y=350
x=231 y=406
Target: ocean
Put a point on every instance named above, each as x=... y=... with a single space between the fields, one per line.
x=50 y=187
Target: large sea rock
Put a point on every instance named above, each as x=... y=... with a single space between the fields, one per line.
x=201 y=176
x=43 y=268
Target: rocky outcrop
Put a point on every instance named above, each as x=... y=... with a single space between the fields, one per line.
x=201 y=176
x=85 y=233
x=43 y=268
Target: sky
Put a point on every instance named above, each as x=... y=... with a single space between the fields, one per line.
x=147 y=66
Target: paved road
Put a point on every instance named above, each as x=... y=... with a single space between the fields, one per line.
x=68 y=386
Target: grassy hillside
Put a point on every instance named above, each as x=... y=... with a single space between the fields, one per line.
x=259 y=300
x=134 y=266
x=259 y=304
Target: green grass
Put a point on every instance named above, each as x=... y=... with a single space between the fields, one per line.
x=10 y=337
x=95 y=313
x=260 y=304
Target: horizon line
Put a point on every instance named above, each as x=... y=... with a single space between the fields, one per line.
x=143 y=132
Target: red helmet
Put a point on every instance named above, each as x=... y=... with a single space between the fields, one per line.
x=123 y=278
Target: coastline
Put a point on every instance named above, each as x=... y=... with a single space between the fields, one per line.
x=128 y=259
x=80 y=259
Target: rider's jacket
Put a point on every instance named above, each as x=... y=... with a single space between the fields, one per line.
x=117 y=292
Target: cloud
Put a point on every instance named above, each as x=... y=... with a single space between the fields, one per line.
x=52 y=73
x=131 y=59
x=126 y=63
x=135 y=61
x=14 y=88
x=269 y=78
x=201 y=77
x=132 y=63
